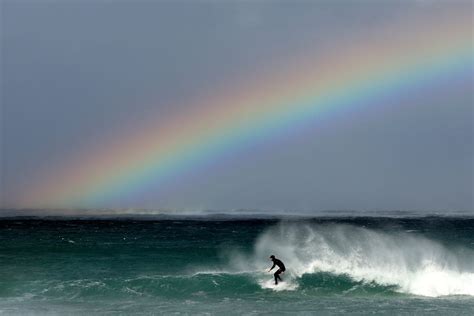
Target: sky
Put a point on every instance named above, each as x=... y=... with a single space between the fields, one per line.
x=86 y=83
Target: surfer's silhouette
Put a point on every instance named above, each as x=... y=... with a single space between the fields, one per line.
x=281 y=268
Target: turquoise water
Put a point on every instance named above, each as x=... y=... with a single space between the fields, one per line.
x=216 y=265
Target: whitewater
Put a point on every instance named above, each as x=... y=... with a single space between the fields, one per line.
x=219 y=265
x=413 y=264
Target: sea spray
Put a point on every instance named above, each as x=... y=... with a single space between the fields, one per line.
x=410 y=262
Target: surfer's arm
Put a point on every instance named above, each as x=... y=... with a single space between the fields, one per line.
x=271 y=268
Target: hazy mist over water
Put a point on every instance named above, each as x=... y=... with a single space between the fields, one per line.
x=165 y=214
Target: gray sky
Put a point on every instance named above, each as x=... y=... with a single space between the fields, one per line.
x=77 y=71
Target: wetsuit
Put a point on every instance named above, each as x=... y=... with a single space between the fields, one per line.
x=281 y=268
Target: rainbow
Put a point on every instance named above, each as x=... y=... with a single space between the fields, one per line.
x=292 y=96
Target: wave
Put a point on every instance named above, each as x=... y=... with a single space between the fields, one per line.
x=321 y=258
x=198 y=285
x=401 y=261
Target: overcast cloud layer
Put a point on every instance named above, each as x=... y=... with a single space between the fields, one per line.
x=77 y=71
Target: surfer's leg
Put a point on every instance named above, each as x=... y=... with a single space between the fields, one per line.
x=277 y=276
x=281 y=271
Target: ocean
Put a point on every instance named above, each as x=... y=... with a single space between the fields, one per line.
x=218 y=265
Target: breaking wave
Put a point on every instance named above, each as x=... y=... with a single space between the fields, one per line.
x=397 y=261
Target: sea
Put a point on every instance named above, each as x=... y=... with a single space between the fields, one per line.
x=217 y=264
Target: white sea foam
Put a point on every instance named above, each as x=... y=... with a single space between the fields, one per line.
x=282 y=286
x=413 y=263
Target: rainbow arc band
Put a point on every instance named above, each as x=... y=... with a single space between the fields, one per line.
x=287 y=99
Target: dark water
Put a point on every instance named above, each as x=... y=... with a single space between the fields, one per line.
x=217 y=265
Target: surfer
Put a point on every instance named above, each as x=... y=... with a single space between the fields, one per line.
x=281 y=268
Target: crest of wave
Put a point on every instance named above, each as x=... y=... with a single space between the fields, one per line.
x=414 y=264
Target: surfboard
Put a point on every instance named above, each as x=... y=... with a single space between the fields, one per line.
x=281 y=286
